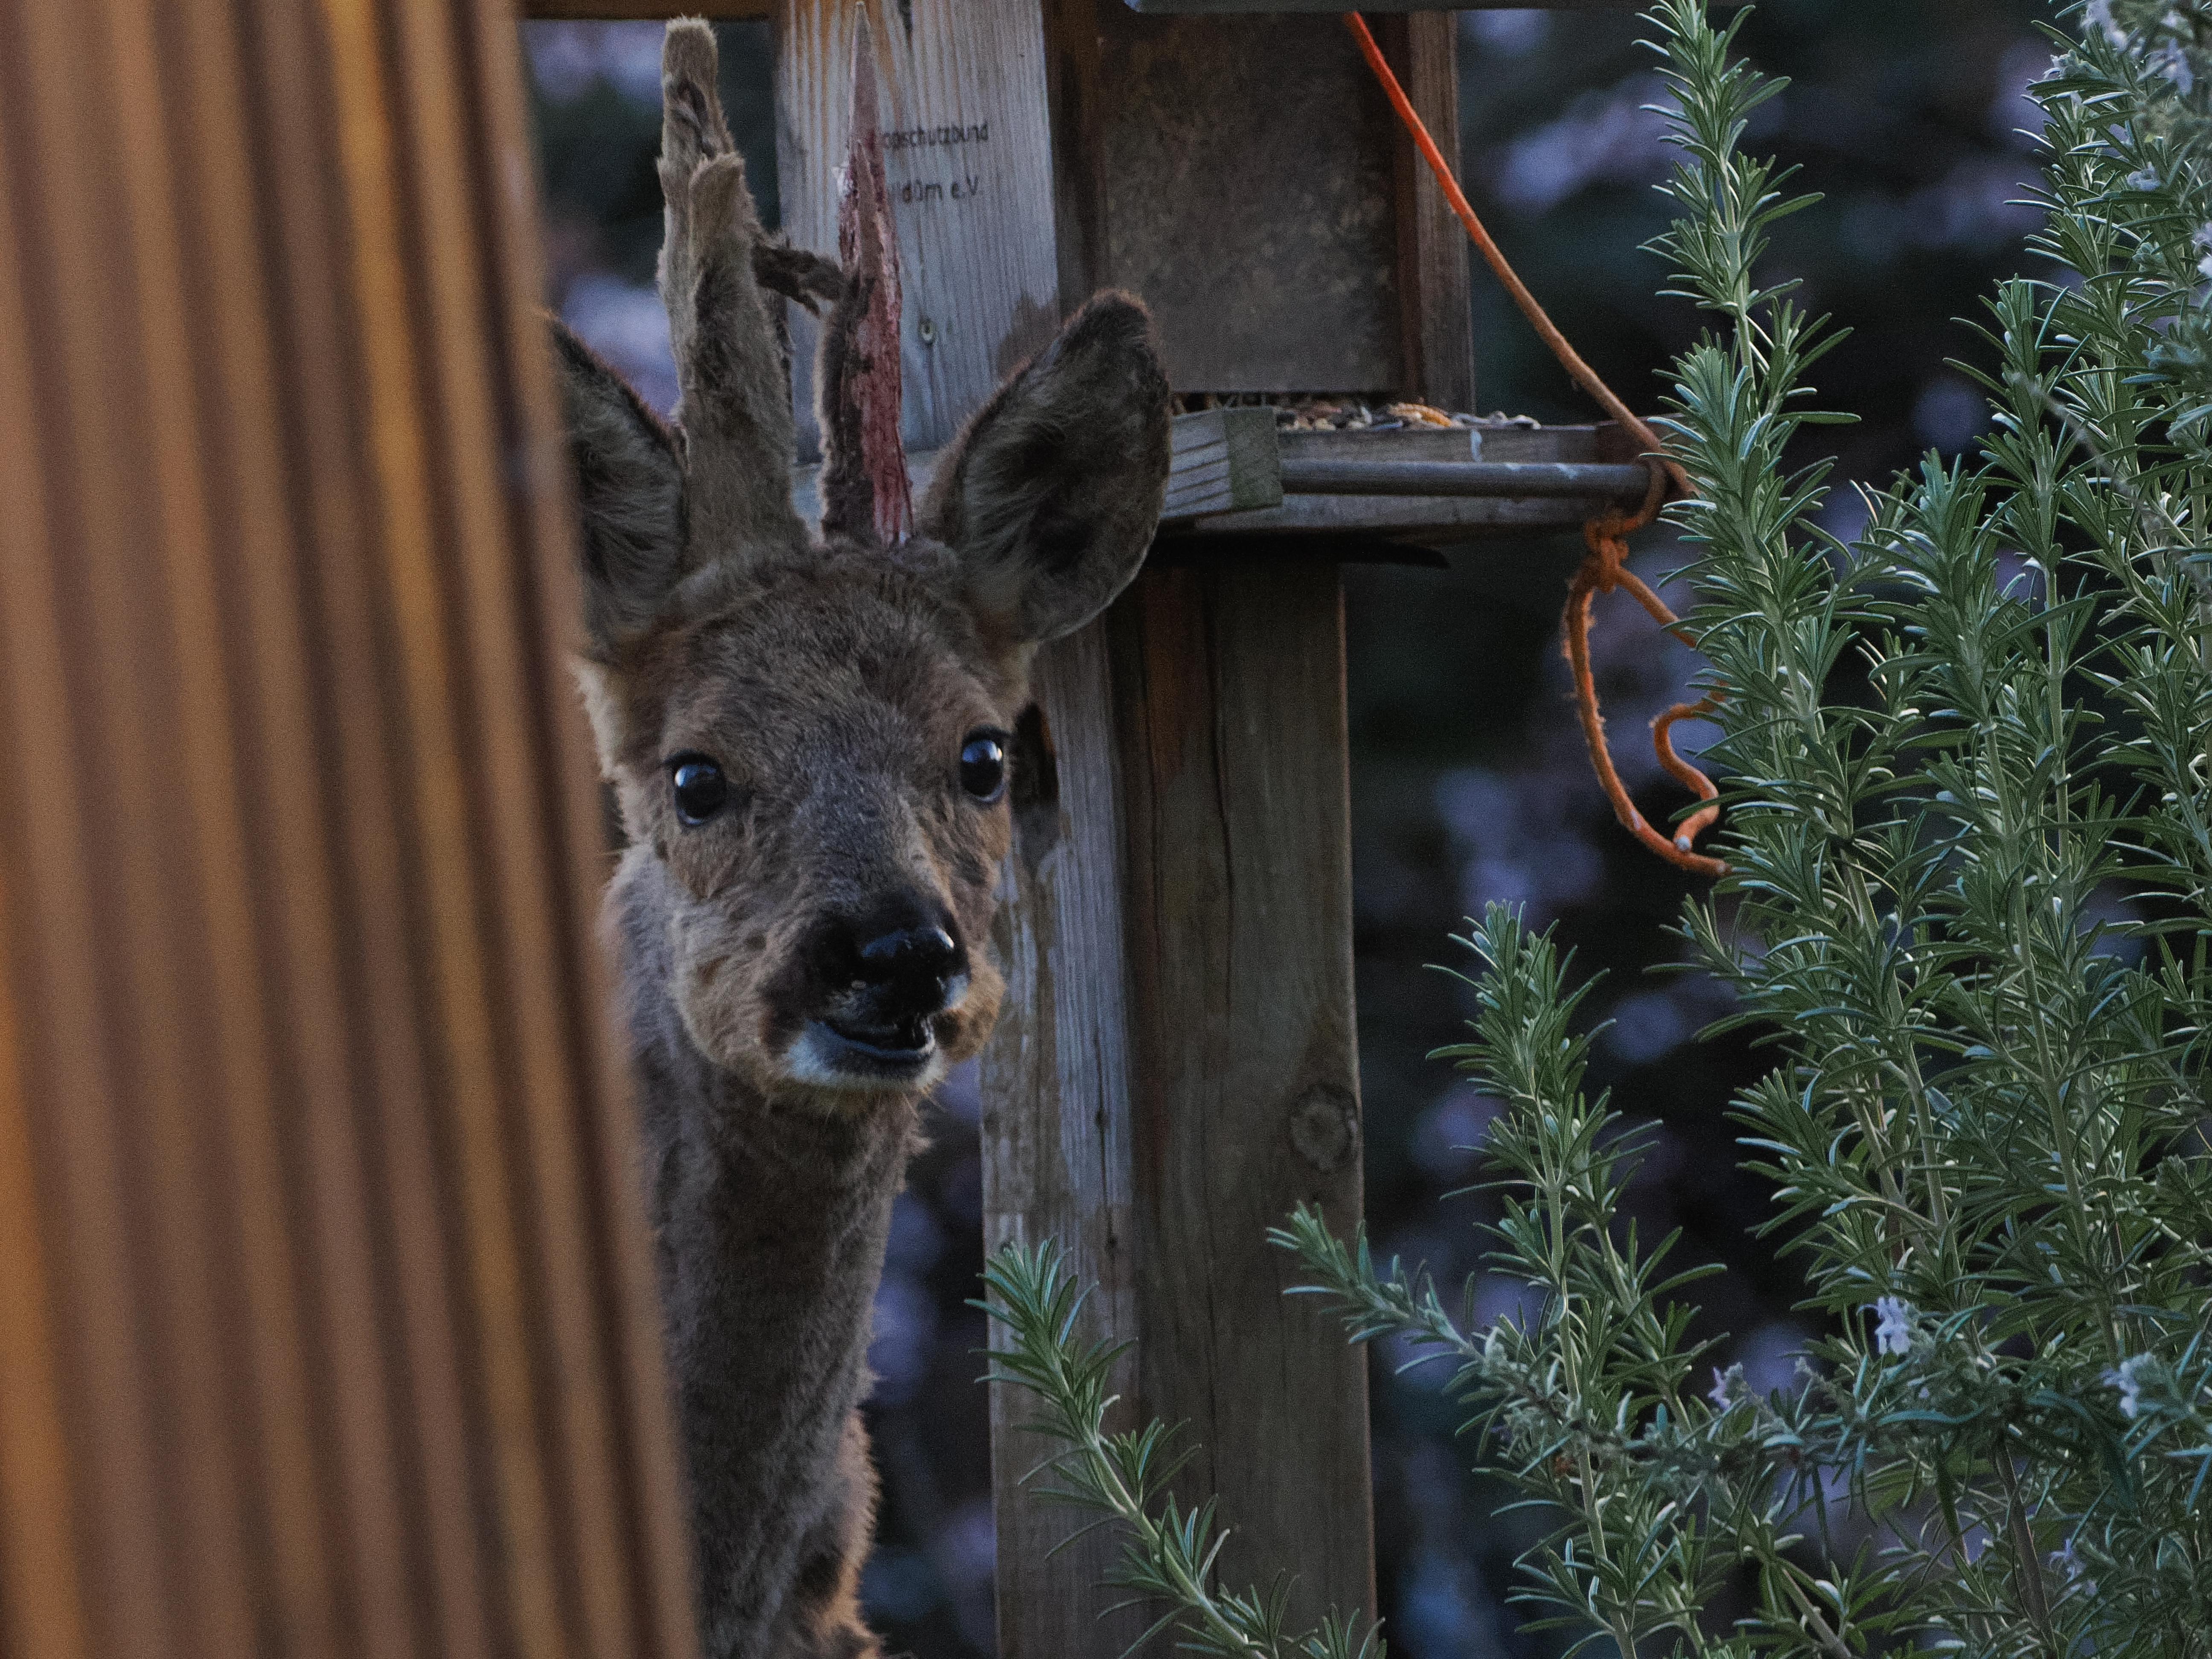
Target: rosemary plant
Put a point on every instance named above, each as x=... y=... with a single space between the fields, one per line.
x=1968 y=764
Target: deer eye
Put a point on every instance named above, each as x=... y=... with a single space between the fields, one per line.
x=701 y=791
x=983 y=765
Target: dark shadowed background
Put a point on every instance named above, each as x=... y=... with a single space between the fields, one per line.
x=1469 y=779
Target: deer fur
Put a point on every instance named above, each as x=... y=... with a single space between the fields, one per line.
x=800 y=967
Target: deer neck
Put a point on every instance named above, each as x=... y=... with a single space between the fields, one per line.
x=769 y=1220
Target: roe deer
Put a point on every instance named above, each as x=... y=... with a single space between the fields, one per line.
x=808 y=738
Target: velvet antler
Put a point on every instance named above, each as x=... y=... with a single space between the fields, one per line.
x=735 y=411
x=864 y=493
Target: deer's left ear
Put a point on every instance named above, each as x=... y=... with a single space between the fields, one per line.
x=1050 y=496
x=629 y=487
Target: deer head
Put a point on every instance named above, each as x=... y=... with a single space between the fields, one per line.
x=808 y=734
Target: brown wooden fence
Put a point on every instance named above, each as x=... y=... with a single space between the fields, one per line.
x=324 y=1324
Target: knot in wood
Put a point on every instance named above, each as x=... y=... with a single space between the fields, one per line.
x=1325 y=1129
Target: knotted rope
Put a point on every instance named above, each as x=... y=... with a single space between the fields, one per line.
x=1605 y=534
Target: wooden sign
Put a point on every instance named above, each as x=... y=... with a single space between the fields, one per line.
x=968 y=154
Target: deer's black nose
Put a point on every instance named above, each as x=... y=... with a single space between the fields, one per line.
x=906 y=958
x=909 y=954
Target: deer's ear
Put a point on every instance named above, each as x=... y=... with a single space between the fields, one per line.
x=630 y=485
x=1050 y=496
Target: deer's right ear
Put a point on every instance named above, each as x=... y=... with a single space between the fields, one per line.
x=1051 y=496
x=629 y=486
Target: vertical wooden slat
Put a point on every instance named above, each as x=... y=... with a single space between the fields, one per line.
x=412 y=1460
x=1432 y=247
x=407 y=461
x=979 y=265
x=527 y=1044
x=360 y=1584
x=1058 y=1090
x=113 y=862
x=1228 y=696
x=638 y=1431
x=42 y=1480
x=41 y=1605
x=327 y=1325
x=1176 y=1068
x=281 y=1483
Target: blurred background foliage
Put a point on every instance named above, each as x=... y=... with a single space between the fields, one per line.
x=1469 y=779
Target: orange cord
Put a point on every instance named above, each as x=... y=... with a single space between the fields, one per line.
x=1605 y=567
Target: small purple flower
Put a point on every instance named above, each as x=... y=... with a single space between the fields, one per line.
x=2063 y=1559
x=1894 y=1334
x=2129 y=1381
x=1728 y=1387
x=2168 y=60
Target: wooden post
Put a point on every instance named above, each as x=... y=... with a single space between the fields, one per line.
x=325 y=1317
x=1176 y=1068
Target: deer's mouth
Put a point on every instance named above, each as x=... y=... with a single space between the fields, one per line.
x=897 y=1051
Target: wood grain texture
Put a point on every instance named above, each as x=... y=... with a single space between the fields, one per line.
x=43 y=1609
x=327 y=1325
x=1435 y=318
x=1058 y=1089
x=1245 y=189
x=1584 y=481
x=1430 y=518
x=1229 y=704
x=1223 y=460
x=1176 y=1067
x=967 y=154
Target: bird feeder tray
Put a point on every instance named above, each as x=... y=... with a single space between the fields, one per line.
x=1237 y=473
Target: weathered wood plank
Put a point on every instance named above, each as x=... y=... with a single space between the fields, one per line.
x=968 y=152
x=614 y=9
x=1057 y=1084
x=1427 y=520
x=1582 y=480
x=1245 y=188
x=1432 y=247
x=1555 y=499
x=1223 y=460
x=1227 y=698
x=1308 y=482
x=646 y=10
x=1487 y=441
x=1176 y=1067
